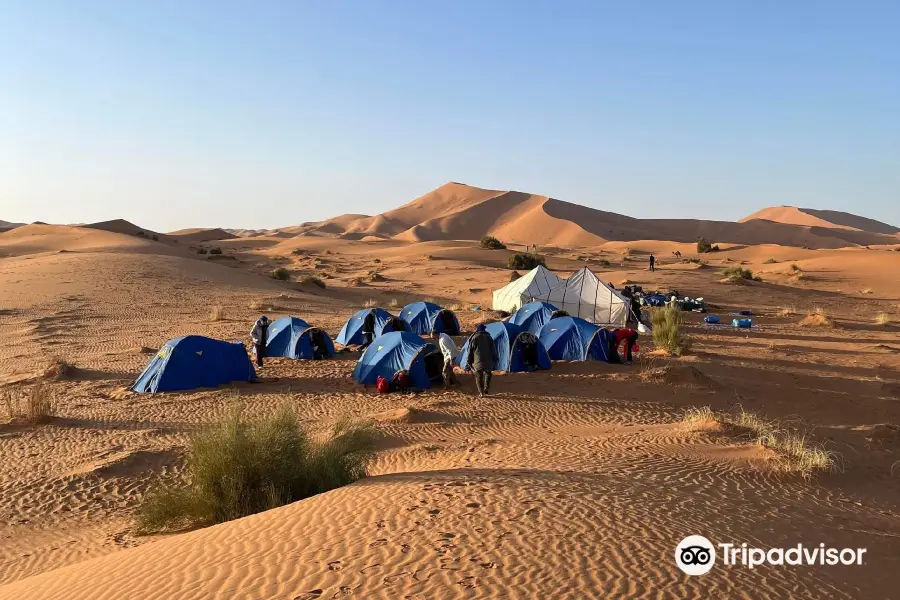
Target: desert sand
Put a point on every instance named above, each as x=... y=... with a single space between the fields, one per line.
x=577 y=482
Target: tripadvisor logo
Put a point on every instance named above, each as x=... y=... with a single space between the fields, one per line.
x=696 y=555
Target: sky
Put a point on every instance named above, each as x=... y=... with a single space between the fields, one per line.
x=267 y=114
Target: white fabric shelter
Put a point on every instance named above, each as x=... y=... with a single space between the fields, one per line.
x=523 y=290
x=584 y=295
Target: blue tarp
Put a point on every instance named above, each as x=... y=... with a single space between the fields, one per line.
x=509 y=340
x=742 y=323
x=712 y=319
x=392 y=352
x=290 y=337
x=194 y=361
x=571 y=338
x=425 y=318
x=532 y=316
x=351 y=334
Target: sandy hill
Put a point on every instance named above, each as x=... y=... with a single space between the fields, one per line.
x=200 y=234
x=7 y=225
x=459 y=211
x=40 y=238
x=810 y=217
x=127 y=228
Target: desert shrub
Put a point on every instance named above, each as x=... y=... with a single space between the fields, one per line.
x=215 y=250
x=370 y=303
x=217 y=313
x=770 y=261
x=883 y=319
x=280 y=274
x=428 y=257
x=375 y=276
x=897 y=249
x=525 y=262
x=313 y=280
x=736 y=274
x=202 y=250
x=155 y=238
x=57 y=368
x=141 y=234
x=394 y=303
x=818 y=317
x=794 y=451
x=263 y=305
x=36 y=406
x=489 y=242
x=787 y=311
x=795 y=268
x=240 y=467
x=667 y=330
x=514 y=275
x=866 y=291
x=298 y=252
x=604 y=263
x=627 y=252
x=703 y=246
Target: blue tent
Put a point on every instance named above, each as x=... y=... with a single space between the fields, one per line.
x=571 y=338
x=425 y=318
x=290 y=337
x=396 y=351
x=351 y=334
x=194 y=361
x=512 y=344
x=532 y=316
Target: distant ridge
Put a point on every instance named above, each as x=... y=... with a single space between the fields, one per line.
x=200 y=234
x=459 y=211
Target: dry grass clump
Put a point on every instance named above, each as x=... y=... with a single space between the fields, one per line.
x=394 y=303
x=770 y=261
x=866 y=291
x=667 y=330
x=456 y=307
x=375 y=276
x=795 y=268
x=883 y=318
x=787 y=311
x=263 y=305
x=818 y=317
x=428 y=257
x=35 y=406
x=58 y=368
x=795 y=451
x=313 y=280
x=739 y=275
x=240 y=467
x=281 y=274
x=217 y=313
x=370 y=303
x=514 y=275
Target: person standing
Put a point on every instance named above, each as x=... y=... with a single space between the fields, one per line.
x=482 y=359
x=368 y=330
x=450 y=352
x=652 y=263
x=258 y=335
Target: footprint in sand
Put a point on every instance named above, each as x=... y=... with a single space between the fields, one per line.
x=345 y=590
x=405 y=548
x=434 y=511
x=533 y=512
x=468 y=582
x=309 y=595
x=378 y=542
x=335 y=566
x=473 y=505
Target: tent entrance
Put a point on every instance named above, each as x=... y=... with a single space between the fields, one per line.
x=434 y=367
x=448 y=321
x=529 y=348
x=318 y=344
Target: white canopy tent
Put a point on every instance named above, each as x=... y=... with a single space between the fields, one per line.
x=523 y=290
x=584 y=295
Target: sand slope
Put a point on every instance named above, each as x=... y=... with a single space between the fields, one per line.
x=199 y=234
x=458 y=211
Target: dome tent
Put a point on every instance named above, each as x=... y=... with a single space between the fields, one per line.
x=518 y=350
x=532 y=316
x=399 y=351
x=194 y=361
x=290 y=337
x=583 y=295
x=571 y=338
x=529 y=286
x=425 y=318
x=351 y=333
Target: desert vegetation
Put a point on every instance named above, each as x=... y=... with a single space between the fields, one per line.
x=34 y=405
x=525 y=262
x=668 y=325
x=281 y=274
x=489 y=242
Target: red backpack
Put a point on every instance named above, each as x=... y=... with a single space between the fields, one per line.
x=382 y=385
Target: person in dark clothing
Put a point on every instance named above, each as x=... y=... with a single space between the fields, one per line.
x=652 y=263
x=482 y=359
x=258 y=336
x=368 y=330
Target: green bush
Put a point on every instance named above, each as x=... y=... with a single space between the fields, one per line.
x=604 y=263
x=316 y=281
x=667 y=330
x=281 y=274
x=240 y=467
x=216 y=250
x=525 y=262
x=489 y=242
x=738 y=274
x=704 y=246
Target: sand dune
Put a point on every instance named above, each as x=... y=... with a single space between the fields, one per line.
x=33 y=239
x=7 y=225
x=831 y=219
x=197 y=235
x=458 y=211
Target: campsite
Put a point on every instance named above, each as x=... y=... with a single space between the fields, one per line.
x=566 y=454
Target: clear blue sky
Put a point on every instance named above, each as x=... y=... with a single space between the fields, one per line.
x=263 y=114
